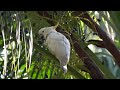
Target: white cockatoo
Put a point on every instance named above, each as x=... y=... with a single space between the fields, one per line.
x=57 y=44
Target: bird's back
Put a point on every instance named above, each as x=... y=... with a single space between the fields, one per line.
x=59 y=46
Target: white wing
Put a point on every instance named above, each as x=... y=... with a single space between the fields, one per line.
x=59 y=46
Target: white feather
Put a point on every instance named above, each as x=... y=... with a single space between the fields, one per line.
x=57 y=44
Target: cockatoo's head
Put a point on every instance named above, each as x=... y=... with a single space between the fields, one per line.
x=43 y=32
x=46 y=30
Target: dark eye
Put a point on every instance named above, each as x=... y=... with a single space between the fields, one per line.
x=42 y=31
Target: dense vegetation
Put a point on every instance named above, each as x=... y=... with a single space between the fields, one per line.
x=94 y=38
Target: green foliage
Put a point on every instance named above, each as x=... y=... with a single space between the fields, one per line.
x=16 y=43
x=109 y=23
x=22 y=56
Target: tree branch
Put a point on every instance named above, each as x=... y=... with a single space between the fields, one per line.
x=94 y=70
x=108 y=43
